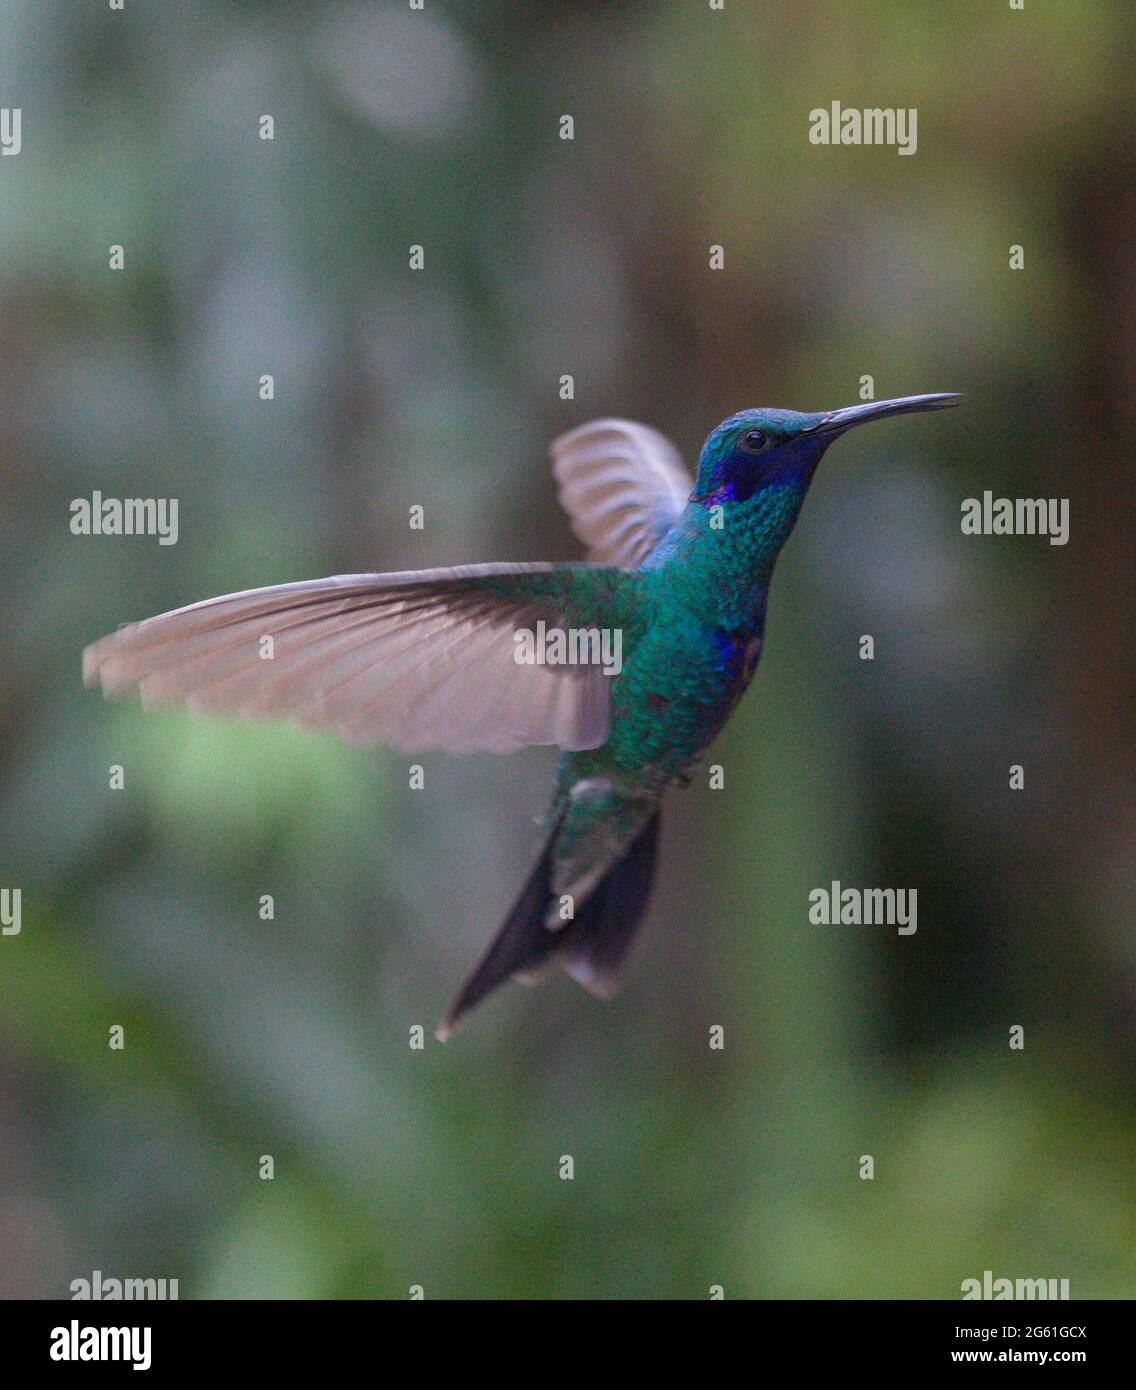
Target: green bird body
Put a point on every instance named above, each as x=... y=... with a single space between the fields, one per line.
x=679 y=572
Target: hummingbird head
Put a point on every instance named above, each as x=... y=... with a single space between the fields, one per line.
x=775 y=452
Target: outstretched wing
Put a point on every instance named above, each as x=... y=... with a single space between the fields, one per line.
x=622 y=485
x=420 y=660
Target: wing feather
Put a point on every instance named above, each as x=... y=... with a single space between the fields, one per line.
x=422 y=660
x=623 y=486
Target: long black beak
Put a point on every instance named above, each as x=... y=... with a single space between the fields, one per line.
x=837 y=421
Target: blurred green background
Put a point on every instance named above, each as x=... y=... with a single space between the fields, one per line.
x=290 y=1037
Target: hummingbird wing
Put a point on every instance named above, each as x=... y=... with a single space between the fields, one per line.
x=622 y=485
x=421 y=660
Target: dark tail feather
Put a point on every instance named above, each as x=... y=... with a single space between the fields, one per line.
x=523 y=936
x=591 y=947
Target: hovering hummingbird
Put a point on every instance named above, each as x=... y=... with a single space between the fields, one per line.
x=428 y=659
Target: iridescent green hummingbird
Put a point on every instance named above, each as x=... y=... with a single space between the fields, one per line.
x=674 y=589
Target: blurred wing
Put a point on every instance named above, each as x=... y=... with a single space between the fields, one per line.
x=622 y=485
x=421 y=660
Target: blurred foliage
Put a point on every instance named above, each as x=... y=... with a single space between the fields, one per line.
x=393 y=388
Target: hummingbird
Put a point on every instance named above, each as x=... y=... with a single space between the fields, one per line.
x=678 y=568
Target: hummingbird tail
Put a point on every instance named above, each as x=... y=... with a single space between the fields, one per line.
x=591 y=947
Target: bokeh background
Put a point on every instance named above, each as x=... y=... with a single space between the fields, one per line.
x=694 y=1167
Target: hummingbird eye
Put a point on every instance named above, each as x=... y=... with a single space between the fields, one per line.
x=753 y=441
